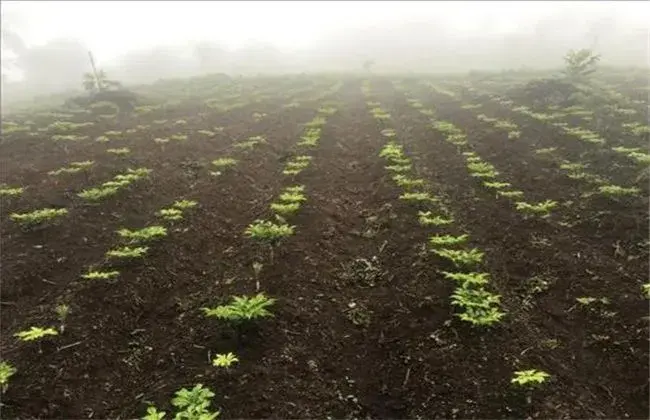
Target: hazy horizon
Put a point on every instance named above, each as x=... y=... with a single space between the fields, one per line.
x=141 y=41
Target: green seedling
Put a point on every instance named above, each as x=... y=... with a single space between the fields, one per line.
x=35 y=333
x=429 y=219
x=10 y=191
x=243 y=308
x=480 y=306
x=416 y=196
x=178 y=137
x=292 y=197
x=482 y=170
x=546 y=151
x=448 y=240
x=511 y=194
x=184 y=204
x=73 y=168
x=266 y=230
x=589 y=300
x=246 y=145
x=496 y=185
x=143 y=235
x=191 y=404
x=392 y=151
x=37 y=217
x=467 y=279
x=461 y=258
x=161 y=140
x=100 y=275
x=127 y=252
x=542 y=209
x=224 y=360
x=645 y=288
x=6 y=372
x=406 y=182
x=223 y=163
x=296 y=189
x=206 y=133
x=446 y=127
x=618 y=191
x=457 y=139
x=171 y=215
x=529 y=377
x=506 y=126
x=99 y=193
x=119 y=152
x=485 y=118
x=399 y=168
x=285 y=209
x=514 y=135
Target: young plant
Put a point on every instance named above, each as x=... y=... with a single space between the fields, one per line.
x=35 y=333
x=399 y=169
x=143 y=235
x=242 y=309
x=127 y=252
x=100 y=275
x=99 y=193
x=73 y=168
x=480 y=306
x=530 y=377
x=172 y=214
x=285 y=209
x=406 y=182
x=119 y=152
x=427 y=218
x=466 y=279
x=448 y=240
x=224 y=360
x=416 y=196
x=496 y=185
x=184 y=204
x=511 y=194
x=542 y=209
x=223 y=163
x=461 y=258
x=618 y=191
x=265 y=230
x=6 y=372
x=37 y=217
x=191 y=404
x=10 y=192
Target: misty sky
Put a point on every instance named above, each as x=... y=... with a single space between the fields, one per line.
x=110 y=28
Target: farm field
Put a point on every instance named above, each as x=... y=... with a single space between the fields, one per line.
x=423 y=240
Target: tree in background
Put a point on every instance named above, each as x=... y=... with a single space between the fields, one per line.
x=580 y=64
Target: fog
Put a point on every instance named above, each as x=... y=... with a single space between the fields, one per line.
x=45 y=44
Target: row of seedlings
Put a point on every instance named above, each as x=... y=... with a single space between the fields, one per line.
x=576 y=170
x=485 y=171
x=243 y=310
x=478 y=306
x=636 y=154
x=134 y=244
x=40 y=217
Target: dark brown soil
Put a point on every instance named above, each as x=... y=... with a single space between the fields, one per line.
x=363 y=327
